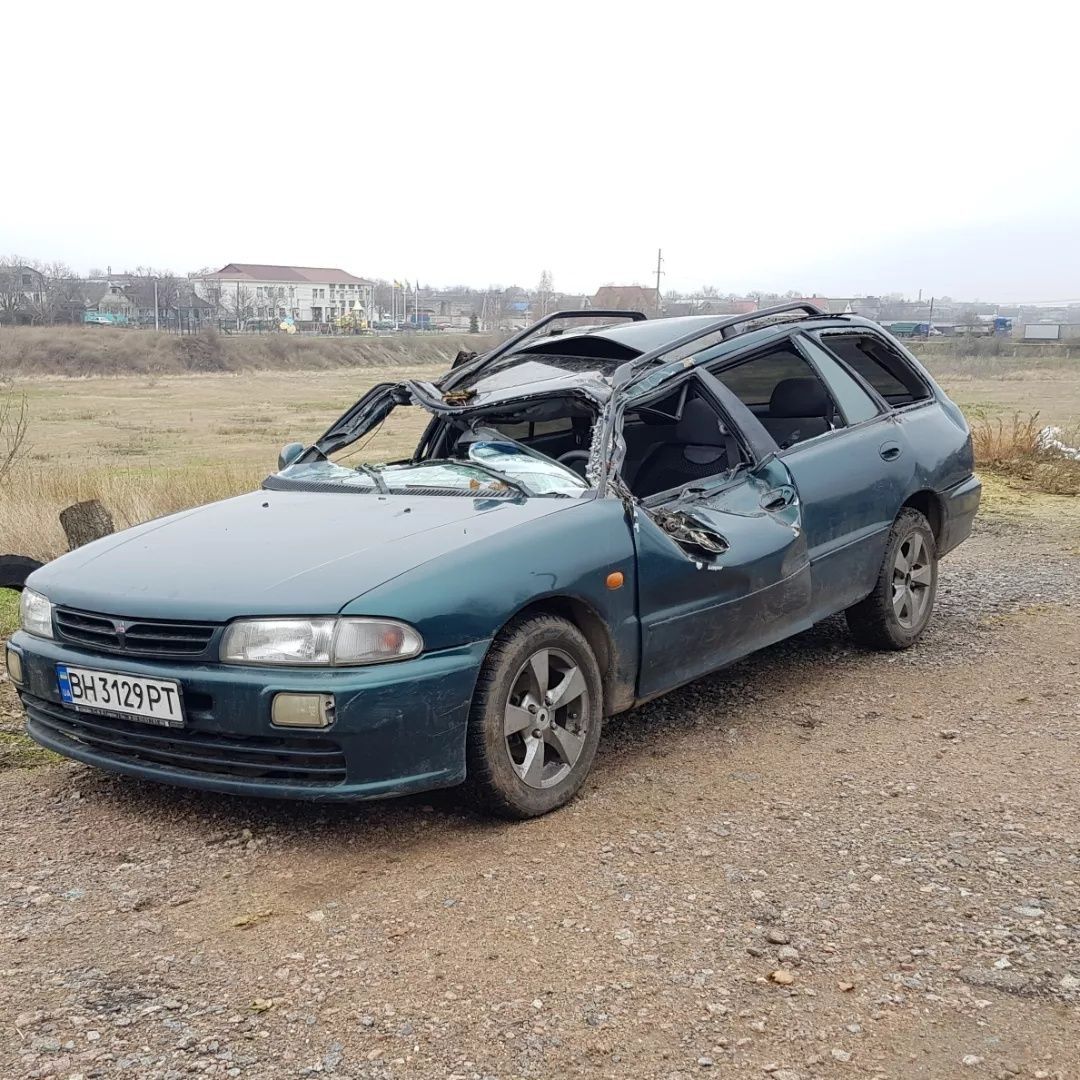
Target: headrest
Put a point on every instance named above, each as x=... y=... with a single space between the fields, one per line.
x=799 y=398
x=699 y=425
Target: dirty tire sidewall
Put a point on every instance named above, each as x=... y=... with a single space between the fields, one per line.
x=873 y=621
x=492 y=784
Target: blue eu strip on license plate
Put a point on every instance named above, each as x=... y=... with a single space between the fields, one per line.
x=65 y=683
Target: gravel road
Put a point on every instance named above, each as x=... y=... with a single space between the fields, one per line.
x=820 y=863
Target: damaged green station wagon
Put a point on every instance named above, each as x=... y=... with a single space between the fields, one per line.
x=601 y=509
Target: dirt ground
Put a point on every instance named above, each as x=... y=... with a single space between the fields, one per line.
x=898 y=835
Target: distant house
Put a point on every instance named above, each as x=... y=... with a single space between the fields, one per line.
x=627 y=298
x=316 y=294
x=113 y=296
x=22 y=294
x=575 y=302
x=711 y=305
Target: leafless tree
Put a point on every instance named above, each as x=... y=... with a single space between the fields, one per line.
x=240 y=304
x=210 y=290
x=168 y=293
x=57 y=291
x=543 y=295
x=12 y=294
x=14 y=426
x=69 y=294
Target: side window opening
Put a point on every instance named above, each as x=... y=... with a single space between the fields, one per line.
x=879 y=364
x=393 y=439
x=854 y=402
x=674 y=441
x=785 y=393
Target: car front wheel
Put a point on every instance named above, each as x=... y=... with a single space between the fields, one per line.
x=896 y=613
x=535 y=720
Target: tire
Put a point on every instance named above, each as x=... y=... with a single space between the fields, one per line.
x=534 y=769
x=897 y=612
x=14 y=570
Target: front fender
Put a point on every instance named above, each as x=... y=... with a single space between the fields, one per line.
x=468 y=594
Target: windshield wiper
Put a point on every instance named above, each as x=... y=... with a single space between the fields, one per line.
x=376 y=477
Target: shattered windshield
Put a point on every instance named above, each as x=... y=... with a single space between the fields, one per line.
x=493 y=468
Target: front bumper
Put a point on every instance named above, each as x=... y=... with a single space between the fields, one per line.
x=398 y=727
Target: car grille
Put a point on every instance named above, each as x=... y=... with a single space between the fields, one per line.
x=256 y=757
x=135 y=637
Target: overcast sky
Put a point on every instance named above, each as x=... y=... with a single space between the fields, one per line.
x=824 y=147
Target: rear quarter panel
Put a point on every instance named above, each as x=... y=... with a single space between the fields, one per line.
x=938 y=435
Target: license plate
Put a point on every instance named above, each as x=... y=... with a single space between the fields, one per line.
x=131 y=697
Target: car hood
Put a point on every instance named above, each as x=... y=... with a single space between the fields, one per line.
x=274 y=553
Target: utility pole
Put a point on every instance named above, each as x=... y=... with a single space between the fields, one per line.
x=659 y=263
x=930 y=319
x=157 y=325
x=238 y=305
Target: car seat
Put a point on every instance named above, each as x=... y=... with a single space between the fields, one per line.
x=798 y=409
x=701 y=447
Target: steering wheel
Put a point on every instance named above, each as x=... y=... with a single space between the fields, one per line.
x=573 y=458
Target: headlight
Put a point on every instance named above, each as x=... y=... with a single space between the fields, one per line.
x=35 y=613
x=314 y=642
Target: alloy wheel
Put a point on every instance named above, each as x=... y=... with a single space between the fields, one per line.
x=912 y=578
x=546 y=717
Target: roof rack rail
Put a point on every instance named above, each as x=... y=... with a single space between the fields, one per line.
x=720 y=325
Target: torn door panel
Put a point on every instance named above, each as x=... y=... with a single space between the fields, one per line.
x=702 y=609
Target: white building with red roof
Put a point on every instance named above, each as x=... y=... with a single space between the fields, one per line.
x=317 y=294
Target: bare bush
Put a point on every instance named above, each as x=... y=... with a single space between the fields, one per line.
x=1016 y=447
x=14 y=428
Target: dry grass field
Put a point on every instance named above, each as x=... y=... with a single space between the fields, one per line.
x=149 y=445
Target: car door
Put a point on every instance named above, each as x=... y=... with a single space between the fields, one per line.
x=851 y=482
x=723 y=567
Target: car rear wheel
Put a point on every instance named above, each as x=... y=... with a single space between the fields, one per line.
x=535 y=720
x=896 y=613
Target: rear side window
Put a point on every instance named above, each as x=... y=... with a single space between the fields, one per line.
x=855 y=403
x=882 y=366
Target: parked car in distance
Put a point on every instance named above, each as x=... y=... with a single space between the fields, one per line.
x=599 y=510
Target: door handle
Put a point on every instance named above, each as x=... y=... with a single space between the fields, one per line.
x=778 y=498
x=890 y=451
